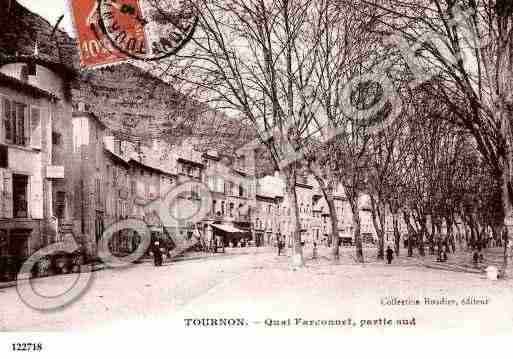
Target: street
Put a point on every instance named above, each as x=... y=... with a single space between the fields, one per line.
x=262 y=287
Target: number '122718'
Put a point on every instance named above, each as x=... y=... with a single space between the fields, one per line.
x=27 y=347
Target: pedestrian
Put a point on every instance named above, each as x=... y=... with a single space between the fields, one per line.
x=443 y=254
x=475 y=258
x=157 y=254
x=314 y=252
x=281 y=244
x=390 y=255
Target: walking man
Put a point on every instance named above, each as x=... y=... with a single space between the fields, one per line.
x=390 y=255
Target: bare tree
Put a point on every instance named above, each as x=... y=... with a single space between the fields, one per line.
x=468 y=45
x=256 y=59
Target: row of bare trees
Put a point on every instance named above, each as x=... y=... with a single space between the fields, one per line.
x=408 y=101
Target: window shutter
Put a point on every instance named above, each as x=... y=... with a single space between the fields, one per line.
x=35 y=127
x=2 y=194
x=6 y=119
x=6 y=194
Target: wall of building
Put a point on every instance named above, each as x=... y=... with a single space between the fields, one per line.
x=34 y=158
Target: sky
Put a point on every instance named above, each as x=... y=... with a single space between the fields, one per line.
x=51 y=10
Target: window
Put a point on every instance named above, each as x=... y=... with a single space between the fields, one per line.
x=14 y=118
x=3 y=242
x=56 y=138
x=35 y=128
x=222 y=208
x=59 y=202
x=133 y=187
x=19 y=184
x=97 y=186
x=114 y=176
x=231 y=209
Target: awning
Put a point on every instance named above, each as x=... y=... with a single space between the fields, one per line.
x=228 y=228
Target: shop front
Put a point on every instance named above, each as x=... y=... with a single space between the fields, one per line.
x=227 y=235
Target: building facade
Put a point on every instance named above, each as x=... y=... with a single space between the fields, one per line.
x=35 y=132
x=274 y=217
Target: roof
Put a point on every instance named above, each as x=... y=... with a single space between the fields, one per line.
x=228 y=228
x=19 y=85
x=117 y=157
x=20 y=31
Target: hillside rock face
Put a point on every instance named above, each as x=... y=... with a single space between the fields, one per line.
x=139 y=106
x=20 y=29
x=126 y=98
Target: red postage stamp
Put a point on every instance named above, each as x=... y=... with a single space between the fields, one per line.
x=96 y=49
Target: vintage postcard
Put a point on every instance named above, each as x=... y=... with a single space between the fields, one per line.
x=235 y=174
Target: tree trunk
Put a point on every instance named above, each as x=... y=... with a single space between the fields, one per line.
x=397 y=234
x=411 y=233
x=377 y=221
x=420 y=239
x=357 y=236
x=439 y=237
x=431 y=237
x=496 y=232
x=473 y=235
x=331 y=206
x=467 y=234
x=297 y=257
x=450 y=233
x=508 y=219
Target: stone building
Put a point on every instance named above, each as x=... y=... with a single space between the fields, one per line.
x=155 y=143
x=37 y=66
x=274 y=217
x=232 y=184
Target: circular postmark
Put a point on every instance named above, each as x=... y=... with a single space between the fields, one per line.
x=148 y=30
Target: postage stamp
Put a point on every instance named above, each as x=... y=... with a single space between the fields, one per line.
x=168 y=26
x=126 y=31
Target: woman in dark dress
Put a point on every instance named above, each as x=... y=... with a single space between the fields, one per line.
x=157 y=254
